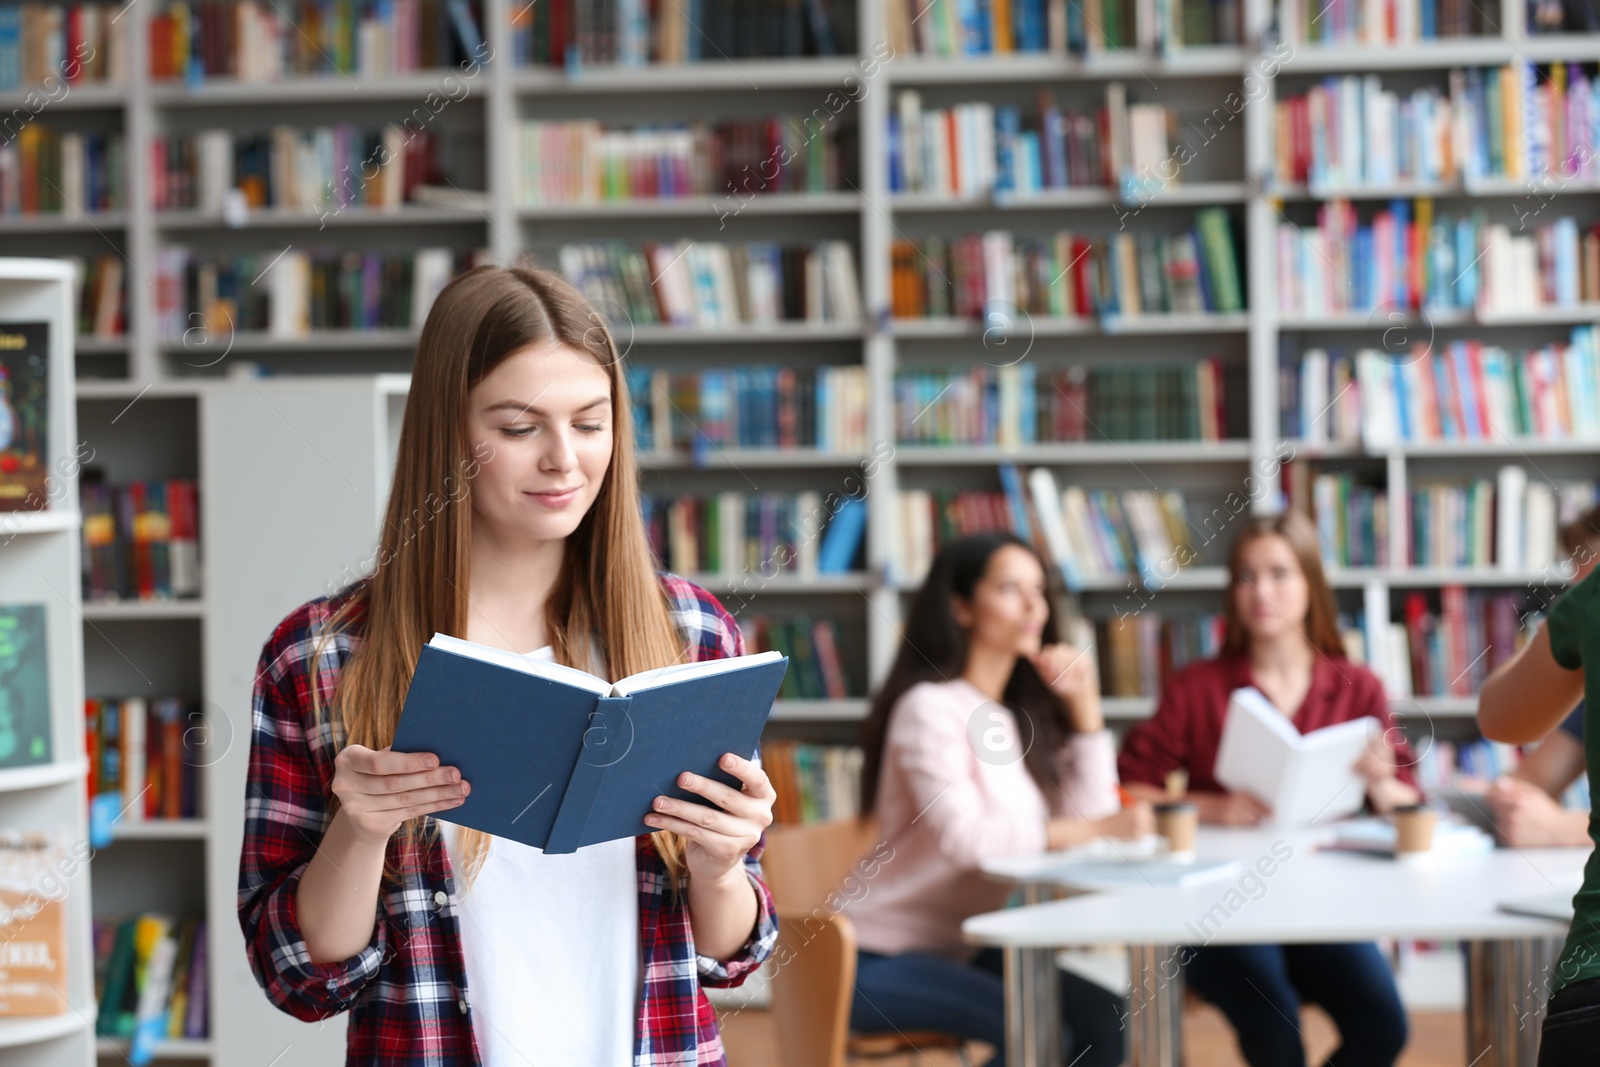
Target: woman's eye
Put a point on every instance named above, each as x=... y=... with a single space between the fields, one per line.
x=516 y=431
x=593 y=427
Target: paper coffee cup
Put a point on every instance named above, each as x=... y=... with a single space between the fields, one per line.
x=1177 y=821
x=1413 y=825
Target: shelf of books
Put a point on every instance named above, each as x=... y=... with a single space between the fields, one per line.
x=884 y=271
x=47 y=998
x=148 y=740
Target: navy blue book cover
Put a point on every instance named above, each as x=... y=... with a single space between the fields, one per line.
x=557 y=767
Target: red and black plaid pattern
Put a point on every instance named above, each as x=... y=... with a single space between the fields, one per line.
x=406 y=991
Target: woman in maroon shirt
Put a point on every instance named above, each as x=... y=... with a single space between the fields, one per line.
x=1280 y=638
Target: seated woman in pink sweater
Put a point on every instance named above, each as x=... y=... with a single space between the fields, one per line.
x=986 y=740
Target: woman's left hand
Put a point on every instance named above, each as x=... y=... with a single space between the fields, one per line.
x=1378 y=765
x=718 y=838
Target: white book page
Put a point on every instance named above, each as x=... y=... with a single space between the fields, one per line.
x=1301 y=777
x=1257 y=740
x=542 y=668
x=682 y=672
x=1321 y=782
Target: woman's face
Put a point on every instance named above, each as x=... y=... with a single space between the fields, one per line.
x=1008 y=608
x=540 y=425
x=1271 y=594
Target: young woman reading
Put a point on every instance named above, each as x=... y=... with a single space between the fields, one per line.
x=1280 y=638
x=986 y=740
x=513 y=521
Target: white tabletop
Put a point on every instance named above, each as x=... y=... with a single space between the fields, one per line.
x=1311 y=895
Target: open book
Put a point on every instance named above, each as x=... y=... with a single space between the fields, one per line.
x=558 y=758
x=1303 y=778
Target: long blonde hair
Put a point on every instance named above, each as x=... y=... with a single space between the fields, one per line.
x=607 y=586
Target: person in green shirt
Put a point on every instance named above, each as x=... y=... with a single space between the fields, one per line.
x=1521 y=702
x=1527 y=802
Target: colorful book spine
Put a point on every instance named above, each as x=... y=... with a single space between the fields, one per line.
x=1070 y=275
x=632 y=33
x=979 y=148
x=256 y=41
x=46 y=45
x=1350 y=132
x=1509 y=522
x=1459 y=390
x=1092 y=535
x=1082 y=27
x=756 y=535
x=749 y=407
x=288 y=294
x=576 y=162
x=1016 y=405
x=814 y=783
x=140 y=751
x=1360 y=22
x=101 y=295
x=711 y=285
x=1530 y=123
x=1408 y=259
x=151 y=980
x=1138 y=652
x=140 y=540
x=1435 y=639
x=321 y=171
x=46 y=171
x=818 y=666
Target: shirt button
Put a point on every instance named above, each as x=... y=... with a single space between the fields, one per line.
x=440 y=898
x=462 y=1004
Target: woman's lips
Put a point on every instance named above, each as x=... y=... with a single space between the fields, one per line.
x=556 y=499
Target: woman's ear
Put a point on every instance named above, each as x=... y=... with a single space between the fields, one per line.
x=961 y=611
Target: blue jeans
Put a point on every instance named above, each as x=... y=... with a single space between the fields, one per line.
x=1260 y=989
x=921 y=991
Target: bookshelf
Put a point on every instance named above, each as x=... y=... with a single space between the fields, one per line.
x=39 y=565
x=173 y=382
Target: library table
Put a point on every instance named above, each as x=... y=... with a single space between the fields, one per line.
x=1286 y=890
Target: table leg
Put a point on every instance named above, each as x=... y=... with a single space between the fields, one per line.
x=1507 y=986
x=1033 y=1007
x=1155 y=1006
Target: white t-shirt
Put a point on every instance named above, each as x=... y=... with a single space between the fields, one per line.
x=551 y=947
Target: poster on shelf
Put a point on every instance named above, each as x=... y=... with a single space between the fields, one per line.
x=24 y=415
x=24 y=687
x=33 y=929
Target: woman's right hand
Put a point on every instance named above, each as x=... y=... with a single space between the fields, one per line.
x=379 y=789
x=1134 y=821
x=1229 y=809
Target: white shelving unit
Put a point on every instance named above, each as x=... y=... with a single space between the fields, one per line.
x=189 y=427
x=39 y=565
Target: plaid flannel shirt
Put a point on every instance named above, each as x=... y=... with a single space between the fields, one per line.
x=406 y=991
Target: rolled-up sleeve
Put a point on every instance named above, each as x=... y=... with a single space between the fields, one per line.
x=763 y=936
x=285 y=817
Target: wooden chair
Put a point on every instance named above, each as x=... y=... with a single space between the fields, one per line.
x=815 y=974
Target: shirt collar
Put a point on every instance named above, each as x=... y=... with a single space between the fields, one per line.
x=1239 y=674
